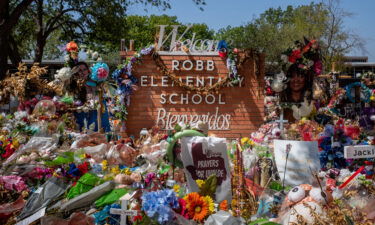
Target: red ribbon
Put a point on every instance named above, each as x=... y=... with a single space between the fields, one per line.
x=352 y=177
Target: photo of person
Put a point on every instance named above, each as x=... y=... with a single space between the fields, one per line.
x=299 y=86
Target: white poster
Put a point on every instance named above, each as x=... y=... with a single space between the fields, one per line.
x=203 y=156
x=303 y=158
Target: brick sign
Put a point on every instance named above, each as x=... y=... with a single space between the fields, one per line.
x=232 y=112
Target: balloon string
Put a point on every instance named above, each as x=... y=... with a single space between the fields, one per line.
x=352 y=177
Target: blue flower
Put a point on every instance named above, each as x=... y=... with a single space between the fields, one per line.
x=158 y=205
x=73 y=170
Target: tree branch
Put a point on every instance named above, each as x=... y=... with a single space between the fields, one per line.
x=15 y=15
x=51 y=22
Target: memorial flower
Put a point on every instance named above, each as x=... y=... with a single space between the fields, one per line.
x=72 y=47
x=197 y=206
x=159 y=204
x=210 y=202
x=200 y=183
x=104 y=164
x=176 y=188
x=224 y=205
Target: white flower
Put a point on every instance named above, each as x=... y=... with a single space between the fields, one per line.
x=66 y=58
x=95 y=55
x=284 y=58
x=20 y=115
x=358 y=75
x=100 y=59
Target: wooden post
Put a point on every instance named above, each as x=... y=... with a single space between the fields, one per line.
x=100 y=109
x=131 y=45
x=122 y=45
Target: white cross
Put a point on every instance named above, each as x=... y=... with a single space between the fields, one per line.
x=124 y=212
x=281 y=121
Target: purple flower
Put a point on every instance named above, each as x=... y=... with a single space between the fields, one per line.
x=149 y=178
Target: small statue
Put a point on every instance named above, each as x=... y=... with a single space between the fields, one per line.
x=279 y=82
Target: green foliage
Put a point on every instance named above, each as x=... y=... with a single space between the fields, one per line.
x=276 y=29
x=99 y=24
x=209 y=187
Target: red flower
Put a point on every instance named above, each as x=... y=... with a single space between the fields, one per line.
x=84 y=167
x=296 y=54
x=182 y=210
x=72 y=47
x=8 y=152
x=137 y=218
x=269 y=91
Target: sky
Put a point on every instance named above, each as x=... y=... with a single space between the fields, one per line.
x=222 y=13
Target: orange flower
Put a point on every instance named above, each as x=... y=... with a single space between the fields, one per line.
x=197 y=206
x=72 y=47
x=224 y=205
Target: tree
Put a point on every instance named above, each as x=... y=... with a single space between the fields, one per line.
x=10 y=12
x=82 y=19
x=338 y=40
x=275 y=30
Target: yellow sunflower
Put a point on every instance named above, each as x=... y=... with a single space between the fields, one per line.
x=197 y=206
x=210 y=202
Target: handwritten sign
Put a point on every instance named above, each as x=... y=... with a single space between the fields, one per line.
x=297 y=165
x=123 y=212
x=204 y=156
x=359 y=151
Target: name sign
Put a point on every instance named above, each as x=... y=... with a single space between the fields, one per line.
x=359 y=151
x=123 y=212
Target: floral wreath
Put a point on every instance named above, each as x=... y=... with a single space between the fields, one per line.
x=364 y=90
x=306 y=55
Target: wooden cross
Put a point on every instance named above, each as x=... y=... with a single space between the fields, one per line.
x=281 y=121
x=124 y=212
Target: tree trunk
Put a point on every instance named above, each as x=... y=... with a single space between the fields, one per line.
x=4 y=52
x=40 y=38
x=40 y=43
x=4 y=38
x=8 y=20
x=14 y=54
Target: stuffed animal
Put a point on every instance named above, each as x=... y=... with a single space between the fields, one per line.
x=301 y=201
x=279 y=82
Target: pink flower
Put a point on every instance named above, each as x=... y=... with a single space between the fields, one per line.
x=13 y=183
x=318 y=67
x=102 y=73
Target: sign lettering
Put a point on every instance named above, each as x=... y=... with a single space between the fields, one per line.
x=197 y=46
x=359 y=151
